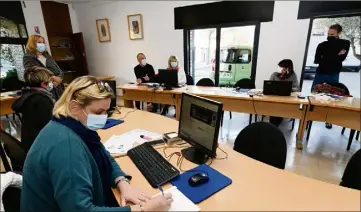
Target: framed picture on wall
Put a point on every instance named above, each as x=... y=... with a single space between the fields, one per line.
x=103 y=30
x=135 y=27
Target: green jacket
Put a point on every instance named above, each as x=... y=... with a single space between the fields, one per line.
x=60 y=174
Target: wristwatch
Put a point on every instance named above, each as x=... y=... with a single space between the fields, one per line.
x=122 y=179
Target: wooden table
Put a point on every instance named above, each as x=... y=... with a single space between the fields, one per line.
x=287 y=107
x=6 y=101
x=345 y=112
x=255 y=186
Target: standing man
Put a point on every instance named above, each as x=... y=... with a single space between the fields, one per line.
x=144 y=73
x=329 y=56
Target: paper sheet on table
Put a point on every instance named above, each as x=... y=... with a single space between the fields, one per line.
x=180 y=202
x=120 y=144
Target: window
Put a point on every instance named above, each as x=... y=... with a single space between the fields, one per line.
x=13 y=39
x=224 y=54
x=242 y=56
x=351 y=31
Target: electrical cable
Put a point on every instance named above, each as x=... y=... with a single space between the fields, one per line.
x=128 y=114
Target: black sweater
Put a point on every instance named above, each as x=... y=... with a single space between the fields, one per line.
x=36 y=109
x=141 y=71
x=327 y=56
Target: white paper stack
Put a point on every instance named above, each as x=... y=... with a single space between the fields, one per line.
x=120 y=144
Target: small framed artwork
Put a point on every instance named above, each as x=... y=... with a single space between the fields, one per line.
x=103 y=30
x=135 y=27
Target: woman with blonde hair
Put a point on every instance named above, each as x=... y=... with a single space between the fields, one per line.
x=68 y=168
x=173 y=64
x=37 y=55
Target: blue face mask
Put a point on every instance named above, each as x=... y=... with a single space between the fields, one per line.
x=95 y=122
x=40 y=47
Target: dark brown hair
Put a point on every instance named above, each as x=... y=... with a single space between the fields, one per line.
x=336 y=27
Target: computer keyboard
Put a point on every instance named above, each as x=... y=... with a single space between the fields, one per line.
x=155 y=168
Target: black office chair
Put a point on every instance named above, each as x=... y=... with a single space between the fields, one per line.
x=13 y=149
x=352 y=176
x=205 y=82
x=245 y=84
x=190 y=80
x=352 y=132
x=11 y=199
x=264 y=142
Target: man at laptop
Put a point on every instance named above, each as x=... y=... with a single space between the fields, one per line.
x=144 y=73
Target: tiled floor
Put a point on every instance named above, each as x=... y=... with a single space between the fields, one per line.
x=323 y=158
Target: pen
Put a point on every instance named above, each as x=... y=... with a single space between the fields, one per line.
x=161 y=190
x=146 y=137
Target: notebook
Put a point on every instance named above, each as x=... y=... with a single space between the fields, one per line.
x=180 y=202
x=217 y=182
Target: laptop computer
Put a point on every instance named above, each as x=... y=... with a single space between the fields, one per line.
x=277 y=88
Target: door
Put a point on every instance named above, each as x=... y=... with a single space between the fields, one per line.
x=79 y=53
x=236 y=52
x=202 y=53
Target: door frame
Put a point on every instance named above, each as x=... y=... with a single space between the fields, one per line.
x=218 y=27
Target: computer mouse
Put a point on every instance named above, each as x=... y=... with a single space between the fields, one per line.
x=198 y=179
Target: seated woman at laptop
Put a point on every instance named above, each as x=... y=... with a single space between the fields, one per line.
x=286 y=73
x=68 y=168
x=173 y=64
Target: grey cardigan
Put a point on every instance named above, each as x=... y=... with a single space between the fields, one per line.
x=30 y=60
x=292 y=77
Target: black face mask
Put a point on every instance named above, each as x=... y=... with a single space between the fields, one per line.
x=330 y=38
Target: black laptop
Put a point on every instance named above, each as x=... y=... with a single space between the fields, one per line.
x=277 y=88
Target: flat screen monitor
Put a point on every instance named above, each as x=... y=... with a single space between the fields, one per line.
x=199 y=124
x=113 y=85
x=169 y=78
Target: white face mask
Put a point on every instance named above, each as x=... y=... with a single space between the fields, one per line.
x=95 y=122
x=174 y=64
x=50 y=86
x=143 y=62
x=40 y=47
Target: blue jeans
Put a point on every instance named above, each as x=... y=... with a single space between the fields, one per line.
x=321 y=78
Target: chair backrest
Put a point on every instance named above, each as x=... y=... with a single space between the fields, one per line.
x=352 y=176
x=11 y=199
x=245 y=84
x=190 y=80
x=264 y=142
x=13 y=150
x=205 y=82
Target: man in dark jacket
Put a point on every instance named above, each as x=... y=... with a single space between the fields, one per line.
x=35 y=105
x=329 y=56
x=144 y=73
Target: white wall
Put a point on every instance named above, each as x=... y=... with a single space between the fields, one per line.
x=34 y=17
x=283 y=38
x=118 y=57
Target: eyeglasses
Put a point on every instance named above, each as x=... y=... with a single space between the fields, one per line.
x=102 y=86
